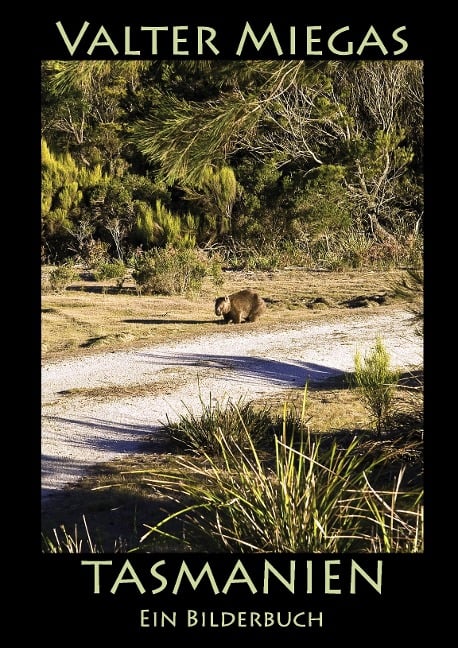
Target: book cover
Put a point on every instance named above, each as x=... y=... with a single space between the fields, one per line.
x=232 y=217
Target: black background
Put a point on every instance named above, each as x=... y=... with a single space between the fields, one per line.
x=57 y=587
x=229 y=30
x=403 y=610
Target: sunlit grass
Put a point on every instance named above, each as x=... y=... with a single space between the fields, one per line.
x=312 y=496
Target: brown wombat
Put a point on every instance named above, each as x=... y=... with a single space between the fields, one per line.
x=242 y=306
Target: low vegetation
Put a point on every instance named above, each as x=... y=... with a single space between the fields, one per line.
x=243 y=477
x=270 y=162
x=335 y=468
x=376 y=383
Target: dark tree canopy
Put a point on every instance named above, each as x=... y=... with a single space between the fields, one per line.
x=291 y=150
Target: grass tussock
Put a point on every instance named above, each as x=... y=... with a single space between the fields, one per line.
x=312 y=498
x=316 y=493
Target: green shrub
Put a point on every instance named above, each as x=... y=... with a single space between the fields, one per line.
x=61 y=277
x=97 y=253
x=110 y=270
x=376 y=382
x=201 y=432
x=215 y=270
x=172 y=271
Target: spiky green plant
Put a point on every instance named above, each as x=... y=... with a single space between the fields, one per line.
x=389 y=521
x=300 y=500
x=315 y=497
x=376 y=382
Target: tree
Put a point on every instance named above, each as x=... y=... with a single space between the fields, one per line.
x=240 y=148
x=216 y=193
x=86 y=101
x=385 y=102
x=309 y=115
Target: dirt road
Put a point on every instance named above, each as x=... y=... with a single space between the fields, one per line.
x=97 y=408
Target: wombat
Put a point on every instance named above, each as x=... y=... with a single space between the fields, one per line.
x=242 y=306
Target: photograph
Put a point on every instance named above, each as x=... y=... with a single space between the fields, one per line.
x=232 y=344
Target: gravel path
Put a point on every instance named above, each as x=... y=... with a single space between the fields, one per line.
x=97 y=408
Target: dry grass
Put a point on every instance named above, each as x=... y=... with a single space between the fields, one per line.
x=113 y=392
x=92 y=316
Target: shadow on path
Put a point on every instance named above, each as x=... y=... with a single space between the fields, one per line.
x=168 y=321
x=276 y=372
x=121 y=439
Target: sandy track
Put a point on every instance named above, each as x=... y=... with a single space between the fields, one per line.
x=100 y=407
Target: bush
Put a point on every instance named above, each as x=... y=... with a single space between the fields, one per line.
x=96 y=253
x=61 y=277
x=172 y=271
x=110 y=270
x=234 y=421
x=376 y=382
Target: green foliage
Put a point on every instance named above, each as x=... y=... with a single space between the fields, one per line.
x=110 y=270
x=218 y=191
x=325 y=203
x=171 y=271
x=215 y=270
x=397 y=518
x=270 y=199
x=164 y=139
x=355 y=248
x=188 y=153
x=315 y=495
x=145 y=228
x=59 y=189
x=97 y=253
x=66 y=225
x=350 y=248
x=268 y=258
x=375 y=175
x=61 y=277
x=201 y=432
x=174 y=230
x=335 y=250
x=376 y=382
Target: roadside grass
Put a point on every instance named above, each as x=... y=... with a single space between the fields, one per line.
x=237 y=496
x=90 y=316
x=313 y=497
